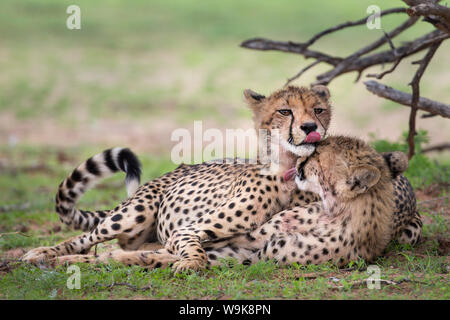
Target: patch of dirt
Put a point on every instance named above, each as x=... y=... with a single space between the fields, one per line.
x=5 y=168
x=432 y=191
x=444 y=246
x=21 y=228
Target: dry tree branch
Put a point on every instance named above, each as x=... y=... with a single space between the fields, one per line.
x=302 y=72
x=302 y=48
x=342 y=66
x=394 y=66
x=124 y=284
x=11 y=233
x=289 y=46
x=380 y=76
x=13 y=207
x=358 y=65
x=388 y=56
x=365 y=57
x=437 y=15
x=424 y=202
x=358 y=61
x=350 y=24
x=429 y=115
x=357 y=283
x=416 y=95
x=337 y=28
x=438 y=147
x=405 y=99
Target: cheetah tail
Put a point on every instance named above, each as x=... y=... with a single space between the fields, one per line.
x=397 y=162
x=85 y=176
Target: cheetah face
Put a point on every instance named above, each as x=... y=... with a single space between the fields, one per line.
x=339 y=174
x=291 y=115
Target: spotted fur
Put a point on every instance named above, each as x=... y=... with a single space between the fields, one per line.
x=353 y=220
x=197 y=204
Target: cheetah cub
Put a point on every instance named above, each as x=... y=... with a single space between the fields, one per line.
x=353 y=220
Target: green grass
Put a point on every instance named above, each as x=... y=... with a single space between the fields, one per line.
x=424 y=268
x=263 y=280
x=167 y=63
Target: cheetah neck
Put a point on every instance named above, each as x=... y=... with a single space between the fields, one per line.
x=367 y=221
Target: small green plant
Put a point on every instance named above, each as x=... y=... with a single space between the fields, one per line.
x=422 y=171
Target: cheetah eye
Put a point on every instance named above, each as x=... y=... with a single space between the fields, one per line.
x=318 y=110
x=285 y=112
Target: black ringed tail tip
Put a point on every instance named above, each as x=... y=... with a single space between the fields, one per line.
x=86 y=175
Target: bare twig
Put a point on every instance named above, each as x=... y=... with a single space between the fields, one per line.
x=302 y=71
x=417 y=2
x=381 y=75
x=13 y=207
x=407 y=49
x=358 y=65
x=350 y=24
x=10 y=233
x=358 y=283
x=438 y=147
x=9 y=264
x=365 y=57
x=342 y=66
x=416 y=95
x=405 y=99
x=421 y=203
x=301 y=48
x=289 y=46
x=429 y=115
x=124 y=284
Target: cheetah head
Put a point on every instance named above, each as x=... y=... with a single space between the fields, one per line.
x=341 y=170
x=300 y=115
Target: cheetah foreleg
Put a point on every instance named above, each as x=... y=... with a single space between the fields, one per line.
x=149 y=259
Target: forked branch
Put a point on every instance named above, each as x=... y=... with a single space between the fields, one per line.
x=416 y=95
x=365 y=57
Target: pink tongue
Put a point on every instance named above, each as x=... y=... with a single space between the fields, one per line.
x=288 y=175
x=313 y=137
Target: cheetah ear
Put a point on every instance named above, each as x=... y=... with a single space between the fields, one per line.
x=322 y=91
x=363 y=177
x=253 y=99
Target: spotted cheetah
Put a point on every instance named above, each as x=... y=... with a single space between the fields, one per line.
x=353 y=220
x=295 y=223
x=194 y=203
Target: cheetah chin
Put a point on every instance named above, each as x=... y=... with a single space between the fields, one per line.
x=302 y=150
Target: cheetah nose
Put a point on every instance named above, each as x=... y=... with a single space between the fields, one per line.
x=308 y=127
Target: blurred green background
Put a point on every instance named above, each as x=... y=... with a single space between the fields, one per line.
x=139 y=69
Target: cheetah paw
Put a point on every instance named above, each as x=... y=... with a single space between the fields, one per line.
x=185 y=265
x=39 y=255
